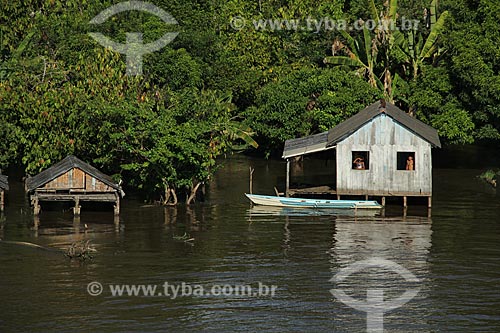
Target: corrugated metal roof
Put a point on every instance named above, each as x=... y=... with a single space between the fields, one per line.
x=307 y=145
x=4 y=182
x=64 y=166
x=351 y=125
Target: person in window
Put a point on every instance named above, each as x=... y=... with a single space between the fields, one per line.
x=359 y=163
x=410 y=164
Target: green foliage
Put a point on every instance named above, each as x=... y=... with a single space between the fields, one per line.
x=442 y=110
x=474 y=62
x=387 y=56
x=491 y=177
x=205 y=94
x=154 y=137
x=361 y=53
x=306 y=102
x=175 y=69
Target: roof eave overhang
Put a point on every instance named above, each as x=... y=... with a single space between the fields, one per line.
x=307 y=151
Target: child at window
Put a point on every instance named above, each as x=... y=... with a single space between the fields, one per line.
x=410 y=164
x=359 y=163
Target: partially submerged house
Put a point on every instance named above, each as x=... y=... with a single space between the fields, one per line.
x=380 y=151
x=73 y=180
x=4 y=186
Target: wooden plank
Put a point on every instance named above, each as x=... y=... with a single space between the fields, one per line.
x=381 y=193
x=77 y=208
x=383 y=139
x=287 y=187
x=117 y=204
x=61 y=182
x=101 y=197
x=313 y=190
x=36 y=205
x=89 y=183
x=78 y=180
x=101 y=187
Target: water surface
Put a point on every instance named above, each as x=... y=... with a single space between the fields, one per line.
x=455 y=254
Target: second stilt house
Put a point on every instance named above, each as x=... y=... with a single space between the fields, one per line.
x=73 y=180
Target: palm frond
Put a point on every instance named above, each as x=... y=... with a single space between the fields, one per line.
x=393 y=8
x=368 y=45
x=374 y=11
x=433 y=36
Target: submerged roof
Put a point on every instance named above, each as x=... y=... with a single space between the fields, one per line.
x=64 y=166
x=306 y=145
x=4 y=182
x=351 y=125
x=328 y=140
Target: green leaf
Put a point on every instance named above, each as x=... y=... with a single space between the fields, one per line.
x=433 y=36
x=373 y=11
x=393 y=8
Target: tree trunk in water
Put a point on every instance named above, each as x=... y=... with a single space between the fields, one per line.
x=174 y=196
x=166 y=199
x=193 y=194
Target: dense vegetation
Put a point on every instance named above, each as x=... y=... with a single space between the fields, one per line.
x=215 y=87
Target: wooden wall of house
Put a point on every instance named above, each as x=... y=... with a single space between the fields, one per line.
x=384 y=138
x=77 y=180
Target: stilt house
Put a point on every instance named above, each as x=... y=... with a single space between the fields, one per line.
x=73 y=180
x=380 y=151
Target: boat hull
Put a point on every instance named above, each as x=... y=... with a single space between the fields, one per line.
x=267 y=200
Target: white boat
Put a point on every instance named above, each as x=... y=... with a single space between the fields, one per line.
x=267 y=200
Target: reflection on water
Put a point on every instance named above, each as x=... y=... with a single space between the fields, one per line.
x=406 y=242
x=288 y=211
x=455 y=255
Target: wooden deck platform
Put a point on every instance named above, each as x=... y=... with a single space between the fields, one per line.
x=328 y=190
x=318 y=190
x=97 y=197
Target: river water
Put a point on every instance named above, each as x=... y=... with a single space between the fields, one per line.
x=454 y=254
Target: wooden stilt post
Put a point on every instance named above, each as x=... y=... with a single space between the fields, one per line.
x=36 y=205
x=383 y=201
x=117 y=204
x=76 y=209
x=2 y=200
x=429 y=202
x=405 y=201
x=251 y=180
x=287 y=190
x=76 y=223
x=338 y=196
x=366 y=197
x=36 y=222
